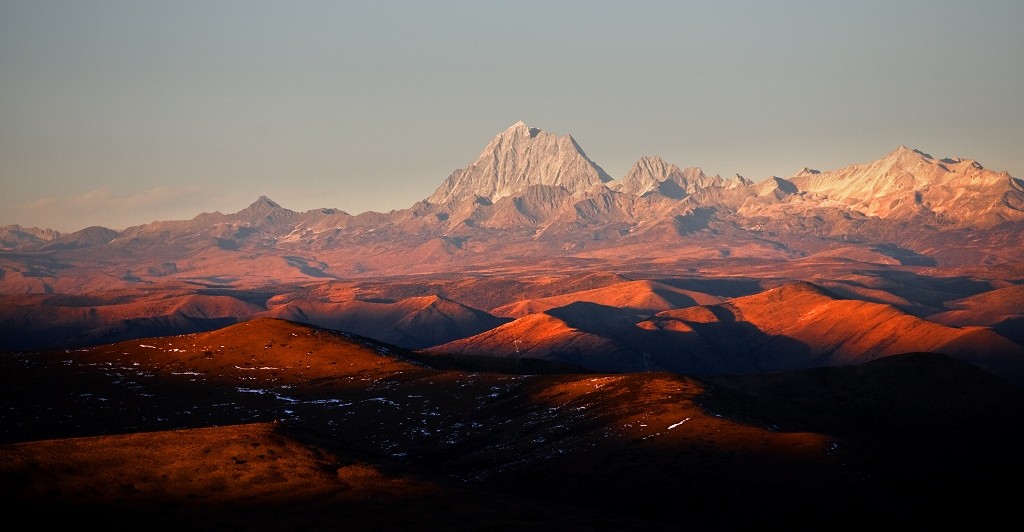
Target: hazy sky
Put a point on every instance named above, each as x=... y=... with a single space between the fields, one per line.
x=121 y=113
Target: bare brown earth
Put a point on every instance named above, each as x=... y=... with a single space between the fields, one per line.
x=373 y=434
x=1002 y=310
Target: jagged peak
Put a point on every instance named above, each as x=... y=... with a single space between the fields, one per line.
x=652 y=159
x=41 y=233
x=601 y=174
x=776 y=184
x=520 y=134
x=654 y=162
x=264 y=201
x=651 y=166
x=518 y=157
x=520 y=129
x=90 y=236
x=694 y=172
x=259 y=209
x=738 y=181
x=647 y=174
x=904 y=152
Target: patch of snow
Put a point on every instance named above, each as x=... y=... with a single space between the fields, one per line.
x=670 y=427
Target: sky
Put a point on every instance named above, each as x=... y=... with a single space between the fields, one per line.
x=122 y=113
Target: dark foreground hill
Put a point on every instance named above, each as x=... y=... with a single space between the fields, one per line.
x=265 y=476
x=374 y=434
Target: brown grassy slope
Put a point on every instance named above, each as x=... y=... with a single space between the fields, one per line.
x=795 y=326
x=546 y=337
x=260 y=476
x=642 y=297
x=263 y=348
x=1001 y=309
x=801 y=325
x=848 y=331
x=45 y=320
x=412 y=323
x=988 y=308
x=486 y=291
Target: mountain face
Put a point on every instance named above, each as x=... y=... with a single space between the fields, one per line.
x=262 y=210
x=90 y=236
x=908 y=182
x=654 y=175
x=15 y=236
x=519 y=157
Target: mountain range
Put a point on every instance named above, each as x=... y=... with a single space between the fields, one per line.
x=536 y=198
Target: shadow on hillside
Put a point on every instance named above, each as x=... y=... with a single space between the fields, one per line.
x=667 y=343
x=696 y=220
x=84 y=334
x=927 y=290
x=594 y=318
x=307 y=267
x=906 y=257
x=723 y=346
x=256 y=297
x=676 y=299
x=717 y=287
x=1012 y=328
